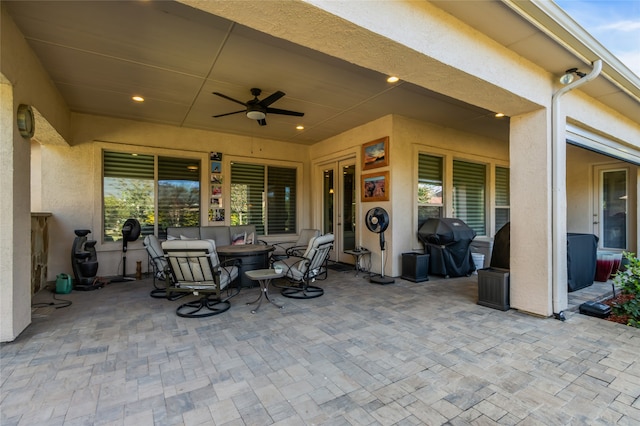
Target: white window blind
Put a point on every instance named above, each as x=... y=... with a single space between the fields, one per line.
x=430 y=188
x=178 y=193
x=469 y=182
x=264 y=196
x=502 y=207
x=129 y=192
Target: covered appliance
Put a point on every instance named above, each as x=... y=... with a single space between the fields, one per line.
x=501 y=254
x=448 y=241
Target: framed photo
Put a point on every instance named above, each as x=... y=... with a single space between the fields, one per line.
x=375 y=187
x=216 y=167
x=375 y=153
x=215 y=156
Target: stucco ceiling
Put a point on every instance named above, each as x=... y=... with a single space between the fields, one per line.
x=99 y=54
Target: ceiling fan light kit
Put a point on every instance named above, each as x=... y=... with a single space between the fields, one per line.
x=256 y=109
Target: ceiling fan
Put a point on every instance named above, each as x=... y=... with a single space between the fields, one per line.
x=257 y=109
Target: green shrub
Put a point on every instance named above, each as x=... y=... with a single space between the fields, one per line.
x=629 y=282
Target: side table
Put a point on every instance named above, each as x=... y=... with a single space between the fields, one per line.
x=357 y=255
x=264 y=277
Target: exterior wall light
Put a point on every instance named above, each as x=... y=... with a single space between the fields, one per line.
x=568 y=76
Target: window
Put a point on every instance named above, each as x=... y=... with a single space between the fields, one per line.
x=130 y=188
x=430 y=199
x=503 y=215
x=469 y=182
x=264 y=196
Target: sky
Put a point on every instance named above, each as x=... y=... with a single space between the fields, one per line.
x=614 y=23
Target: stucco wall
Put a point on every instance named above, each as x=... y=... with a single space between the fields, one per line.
x=22 y=81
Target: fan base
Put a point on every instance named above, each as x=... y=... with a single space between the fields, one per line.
x=381 y=279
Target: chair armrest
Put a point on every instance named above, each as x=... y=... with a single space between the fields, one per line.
x=296 y=251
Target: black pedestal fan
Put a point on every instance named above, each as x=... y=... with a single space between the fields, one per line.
x=377 y=220
x=130 y=232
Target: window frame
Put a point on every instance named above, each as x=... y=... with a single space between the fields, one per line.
x=98 y=219
x=266 y=163
x=448 y=158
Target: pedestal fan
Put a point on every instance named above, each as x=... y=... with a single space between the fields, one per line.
x=377 y=220
x=130 y=232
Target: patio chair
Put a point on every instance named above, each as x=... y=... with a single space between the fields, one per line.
x=300 y=271
x=294 y=248
x=158 y=263
x=193 y=267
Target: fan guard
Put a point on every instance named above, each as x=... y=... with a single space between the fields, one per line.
x=377 y=220
x=131 y=230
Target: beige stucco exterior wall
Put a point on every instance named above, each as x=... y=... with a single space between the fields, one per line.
x=23 y=81
x=530 y=162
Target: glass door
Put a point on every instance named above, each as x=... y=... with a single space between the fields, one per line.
x=610 y=217
x=339 y=206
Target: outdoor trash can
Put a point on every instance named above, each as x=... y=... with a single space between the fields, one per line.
x=493 y=288
x=415 y=267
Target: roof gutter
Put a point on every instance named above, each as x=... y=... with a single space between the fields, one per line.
x=553 y=21
x=559 y=194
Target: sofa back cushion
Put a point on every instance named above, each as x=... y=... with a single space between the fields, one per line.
x=183 y=232
x=220 y=234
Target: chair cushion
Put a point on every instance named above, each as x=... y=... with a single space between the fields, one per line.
x=197 y=270
x=154 y=249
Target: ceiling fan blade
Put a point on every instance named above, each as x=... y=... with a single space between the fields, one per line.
x=284 y=112
x=231 y=99
x=271 y=98
x=262 y=122
x=229 y=113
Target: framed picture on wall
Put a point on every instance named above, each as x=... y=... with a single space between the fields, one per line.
x=375 y=153
x=375 y=187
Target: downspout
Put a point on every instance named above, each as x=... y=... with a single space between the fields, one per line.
x=559 y=195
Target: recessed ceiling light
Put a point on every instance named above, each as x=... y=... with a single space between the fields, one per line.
x=138 y=98
x=392 y=79
x=300 y=127
x=499 y=114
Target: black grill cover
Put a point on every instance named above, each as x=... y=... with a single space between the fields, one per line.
x=448 y=241
x=501 y=253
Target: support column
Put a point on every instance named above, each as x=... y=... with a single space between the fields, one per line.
x=531 y=213
x=15 y=222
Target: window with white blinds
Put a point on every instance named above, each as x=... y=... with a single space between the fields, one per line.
x=502 y=207
x=430 y=188
x=469 y=205
x=264 y=196
x=129 y=188
x=178 y=193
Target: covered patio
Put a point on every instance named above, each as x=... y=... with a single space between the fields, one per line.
x=363 y=354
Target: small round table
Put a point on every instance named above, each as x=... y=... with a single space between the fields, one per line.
x=264 y=277
x=357 y=255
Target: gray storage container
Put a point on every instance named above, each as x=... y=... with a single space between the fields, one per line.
x=493 y=288
x=415 y=267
